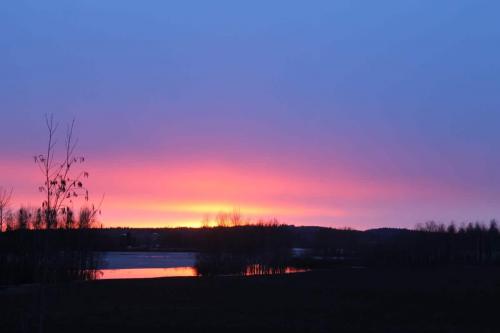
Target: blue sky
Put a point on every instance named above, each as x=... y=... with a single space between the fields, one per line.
x=396 y=92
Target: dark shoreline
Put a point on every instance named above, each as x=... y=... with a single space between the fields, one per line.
x=345 y=300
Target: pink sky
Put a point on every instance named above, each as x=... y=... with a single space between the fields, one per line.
x=159 y=194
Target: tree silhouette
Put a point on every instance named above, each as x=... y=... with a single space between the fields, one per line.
x=5 y=197
x=23 y=217
x=62 y=182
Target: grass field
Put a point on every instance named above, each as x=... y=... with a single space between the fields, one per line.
x=342 y=300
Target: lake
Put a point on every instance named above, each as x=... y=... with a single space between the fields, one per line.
x=136 y=265
x=140 y=265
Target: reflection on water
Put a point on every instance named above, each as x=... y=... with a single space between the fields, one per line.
x=264 y=270
x=125 y=260
x=144 y=273
x=143 y=265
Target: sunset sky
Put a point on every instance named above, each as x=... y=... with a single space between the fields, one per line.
x=339 y=113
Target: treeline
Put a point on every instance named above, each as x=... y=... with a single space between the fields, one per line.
x=428 y=245
x=30 y=218
x=47 y=256
x=433 y=244
x=29 y=254
x=35 y=248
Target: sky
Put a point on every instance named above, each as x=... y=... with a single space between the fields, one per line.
x=345 y=113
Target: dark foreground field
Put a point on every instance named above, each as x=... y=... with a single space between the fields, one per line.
x=345 y=300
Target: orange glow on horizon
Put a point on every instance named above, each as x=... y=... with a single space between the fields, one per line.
x=181 y=195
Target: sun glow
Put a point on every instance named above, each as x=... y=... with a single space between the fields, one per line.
x=182 y=195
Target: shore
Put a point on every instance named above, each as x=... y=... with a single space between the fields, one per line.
x=344 y=300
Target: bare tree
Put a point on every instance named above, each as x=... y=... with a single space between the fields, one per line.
x=235 y=218
x=87 y=217
x=205 y=222
x=69 y=221
x=230 y=219
x=23 y=217
x=222 y=219
x=38 y=221
x=5 y=197
x=62 y=183
x=10 y=221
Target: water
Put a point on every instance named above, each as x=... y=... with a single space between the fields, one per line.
x=140 y=265
x=130 y=260
x=144 y=273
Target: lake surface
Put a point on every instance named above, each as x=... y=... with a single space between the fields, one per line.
x=140 y=265
x=128 y=260
x=137 y=265
x=144 y=273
